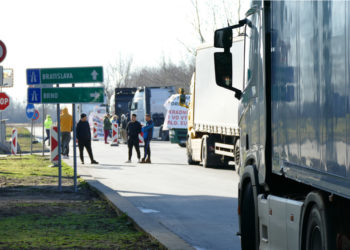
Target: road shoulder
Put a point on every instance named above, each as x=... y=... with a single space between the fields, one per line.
x=141 y=221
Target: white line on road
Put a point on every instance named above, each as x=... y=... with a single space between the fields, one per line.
x=147 y=210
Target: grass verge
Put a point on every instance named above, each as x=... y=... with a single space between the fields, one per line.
x=33 y=214
x=23 y=139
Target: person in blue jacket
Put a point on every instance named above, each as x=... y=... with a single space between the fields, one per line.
x=147 y=136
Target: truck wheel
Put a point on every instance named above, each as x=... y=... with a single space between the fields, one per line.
x=237 y=153
x=205 y=157
x=314 y=239
x=189 y=152
x=318 y=230
x=248 y=220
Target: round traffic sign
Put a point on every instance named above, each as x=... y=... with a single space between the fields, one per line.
x=36 y=115
x=3 y=51
x=30 y=110
x=4 y=101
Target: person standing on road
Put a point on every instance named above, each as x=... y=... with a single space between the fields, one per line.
x=47 y=125
x=66 y=129
x=84 y=138
x=107 y=126
x=124 y=123
x=133 y=130
x=147 y=136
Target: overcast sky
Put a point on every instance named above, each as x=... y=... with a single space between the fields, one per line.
x=65 y=33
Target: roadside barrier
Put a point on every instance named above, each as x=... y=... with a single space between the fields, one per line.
x=115 y=134
x=54 y=145
x=14 y=142
x=94 y=132
x=141 y=140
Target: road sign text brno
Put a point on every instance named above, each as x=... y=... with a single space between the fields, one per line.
x=66 y=95
x=64 y=75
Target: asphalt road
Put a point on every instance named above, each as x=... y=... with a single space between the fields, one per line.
x=197 y=204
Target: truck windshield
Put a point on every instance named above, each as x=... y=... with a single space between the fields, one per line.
x=134 y=106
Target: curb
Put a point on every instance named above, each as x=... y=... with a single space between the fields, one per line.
x=142 y=222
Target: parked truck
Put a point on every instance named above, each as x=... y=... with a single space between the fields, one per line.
x=213 y=132
x=150 y=100
x=294 y=120
x=121 y=100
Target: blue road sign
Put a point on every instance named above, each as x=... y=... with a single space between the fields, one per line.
x=34 y=95
x=33 y=76
x=30 y=110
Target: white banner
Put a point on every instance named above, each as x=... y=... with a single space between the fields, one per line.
x=176 y=116
x=97 y=116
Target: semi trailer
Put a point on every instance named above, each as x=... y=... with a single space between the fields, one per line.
x=213 y=132
x=121 y=101
x=150 y=100
x=294 y=120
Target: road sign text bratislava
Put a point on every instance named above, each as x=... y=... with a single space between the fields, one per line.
x=64 y=75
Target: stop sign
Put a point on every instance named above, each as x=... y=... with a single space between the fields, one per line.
x=4 y=101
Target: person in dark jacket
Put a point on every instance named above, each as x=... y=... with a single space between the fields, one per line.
x=84 y=138
x=133 y=130
x=147 y=136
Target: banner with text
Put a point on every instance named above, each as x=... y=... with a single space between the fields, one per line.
x=176 y=116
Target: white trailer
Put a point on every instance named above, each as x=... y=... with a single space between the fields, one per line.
x=213 y=125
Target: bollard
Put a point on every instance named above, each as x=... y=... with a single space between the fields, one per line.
x=115 y=134
x=141 y=140
x=54 y=145
x=14 y=142
x=94 y=132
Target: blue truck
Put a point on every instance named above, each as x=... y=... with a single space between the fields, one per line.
x=294 y=120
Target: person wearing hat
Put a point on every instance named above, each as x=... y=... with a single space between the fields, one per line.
x=84 y=138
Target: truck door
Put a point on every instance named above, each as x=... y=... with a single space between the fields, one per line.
x=253 y=108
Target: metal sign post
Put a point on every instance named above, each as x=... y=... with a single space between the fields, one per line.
x=31 y=138
x=59 y=147
x=43 y=122
x=74 y=148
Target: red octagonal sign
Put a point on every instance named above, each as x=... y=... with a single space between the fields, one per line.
x=4 y=101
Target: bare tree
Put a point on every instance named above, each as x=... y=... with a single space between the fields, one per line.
x=166 y=74
x=207 y=16
x=197 y=21
x=117 y=74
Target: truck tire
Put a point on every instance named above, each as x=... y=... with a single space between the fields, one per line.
x=318 y=228
x=248 y=220
x=189 y=152
x=237 y=154
x=205 y=153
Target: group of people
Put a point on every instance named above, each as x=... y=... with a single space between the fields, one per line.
x=133 y=130
x=122 y=123
x=130 y=131
x=83 y=134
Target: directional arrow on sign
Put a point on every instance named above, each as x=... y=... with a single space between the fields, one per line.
x=95 y=95
x=94 y=75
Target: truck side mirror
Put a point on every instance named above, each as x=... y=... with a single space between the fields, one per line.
x=223 y=72
x=223 y=38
